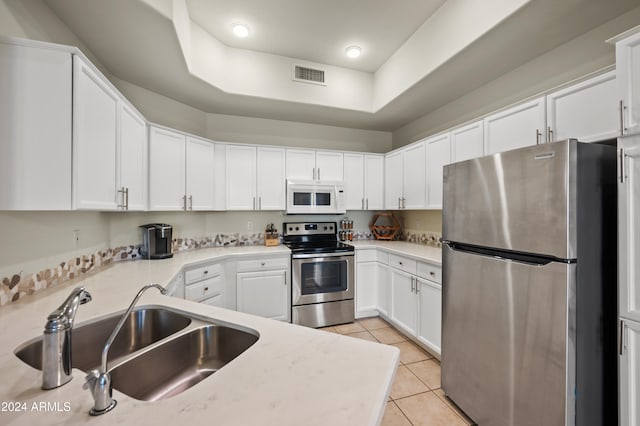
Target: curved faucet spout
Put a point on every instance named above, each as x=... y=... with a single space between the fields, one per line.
x=99 y=381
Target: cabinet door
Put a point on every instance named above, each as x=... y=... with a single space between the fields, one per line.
x=587 y=111
x=264 y=294
x=166 y=170
x=271 y=181
x=133 y=157
x=384 y=289
x=367 y=277
x=628 y=76
x=438 y=155
x=630 y=374
x=200 y=170
x=403 y=300
x=467 y=142
x=628 y=229
x=415 y=176
x=373 y=182
x=329 y=166
x=354 y=181
x=517 y=127
x=241 y=177
x=301 y=164
x=35 y=106
x=393 y=180
x=430 y=314
x=95 y=117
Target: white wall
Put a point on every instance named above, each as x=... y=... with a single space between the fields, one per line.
x=585 y=54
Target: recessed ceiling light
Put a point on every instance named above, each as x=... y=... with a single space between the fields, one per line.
x=240 y=30
x=353 y=51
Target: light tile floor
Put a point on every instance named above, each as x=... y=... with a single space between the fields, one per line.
x=416 y=397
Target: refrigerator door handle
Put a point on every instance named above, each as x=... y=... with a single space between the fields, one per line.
x=505 y=255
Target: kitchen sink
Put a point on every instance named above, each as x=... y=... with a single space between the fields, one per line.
x=143 y=328
x=176 y=365
x=158 y=353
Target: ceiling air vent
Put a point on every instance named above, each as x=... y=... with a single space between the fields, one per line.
x=308 y=75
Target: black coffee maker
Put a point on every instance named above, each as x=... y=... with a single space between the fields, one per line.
x=156 y=241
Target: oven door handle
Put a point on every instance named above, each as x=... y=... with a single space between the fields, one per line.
x=316 y=255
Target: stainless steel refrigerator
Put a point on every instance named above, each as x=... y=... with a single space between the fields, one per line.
x=529 y=286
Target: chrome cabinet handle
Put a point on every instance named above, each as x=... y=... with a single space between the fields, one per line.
x=126 y=195
x=123 y=204
x=367 y=204
x=190 y=202
x=549 y=134
x=433 y=274
x=318 y=173
x=622 y=128
x=362 y=204
x=184 y=202
x=254 y=203
x=399 y=205
x=411 y=284
x=538 y=134
x=403 y=203
x=206 y=289
x=621 y=159
x=622 y=333
x=417 y=286
x=260 y=202
x=314 y=173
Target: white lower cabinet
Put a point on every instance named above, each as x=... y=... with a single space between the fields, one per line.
x=403 y=300
x=263 y=294
x=630 y=374
x=262 y=287
x=430 y=313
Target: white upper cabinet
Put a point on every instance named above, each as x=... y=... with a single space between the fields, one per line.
x=516 y=127
x=587 y=111
x=304 y=164
x=166 y=170
x=628 y=77
x=271 y=181
x=95 y=118
x=241 y=177
x=363 y=181
x=628 y=227
x=467 y=142
x=35 y=107
x=199 y=169
x=329 y=166
x=393 y=191
x=415 y=176
x=438 y=155
x=255 y=178
x=181 y=171
x=133 y=155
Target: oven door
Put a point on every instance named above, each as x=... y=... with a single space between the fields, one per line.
x=323 y=277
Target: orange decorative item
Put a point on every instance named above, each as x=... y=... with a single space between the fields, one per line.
x=384 y=226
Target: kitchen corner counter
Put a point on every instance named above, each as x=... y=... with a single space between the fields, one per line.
x=292 y=375
x=419 y=252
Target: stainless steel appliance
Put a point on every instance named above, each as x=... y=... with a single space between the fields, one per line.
x=529 y=286
x=156 y=241
x=311 y=197
x=323 y=275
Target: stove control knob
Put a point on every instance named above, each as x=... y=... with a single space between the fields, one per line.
x=325 y=228
x=290 y=228
x=297 y=229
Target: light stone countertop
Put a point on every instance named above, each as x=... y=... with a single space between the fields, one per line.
x=416 y=251
x=292 y=375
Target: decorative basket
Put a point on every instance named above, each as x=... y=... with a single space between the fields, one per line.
x=384 y=226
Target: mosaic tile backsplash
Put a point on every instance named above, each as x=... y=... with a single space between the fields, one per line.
x=22 y=284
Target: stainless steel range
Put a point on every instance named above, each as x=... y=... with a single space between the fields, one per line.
x=323 y=277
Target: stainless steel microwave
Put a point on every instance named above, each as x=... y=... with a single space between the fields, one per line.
x=311 y=197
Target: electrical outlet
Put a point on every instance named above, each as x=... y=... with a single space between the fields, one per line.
x=250 y=225
x=76 y=237
x=418 y=224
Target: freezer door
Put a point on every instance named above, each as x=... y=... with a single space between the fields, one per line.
x=506 y=338
x=518 y=200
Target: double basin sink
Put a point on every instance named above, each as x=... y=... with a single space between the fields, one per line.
x=159 y=352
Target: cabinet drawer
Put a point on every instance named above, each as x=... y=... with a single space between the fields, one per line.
x=402 y=263
x=430 y=272
x=201 y=273
x=217 y=300
x=263 y=264
x=372 y=255
x=206 y=289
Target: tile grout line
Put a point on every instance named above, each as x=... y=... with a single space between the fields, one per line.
x=403 y=413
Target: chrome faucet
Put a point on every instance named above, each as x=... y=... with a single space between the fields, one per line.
x=99 y=381
x=56 y=341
